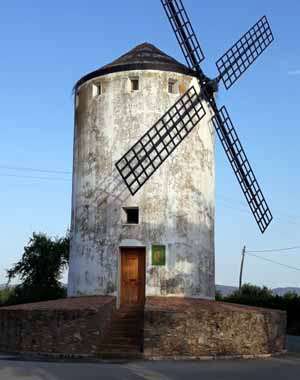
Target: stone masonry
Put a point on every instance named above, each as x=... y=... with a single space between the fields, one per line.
x=195 y=328
x=67 y=326
x=173 y=327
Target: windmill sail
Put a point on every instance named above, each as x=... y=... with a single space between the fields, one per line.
x=151 y=150
x=184 y=32
x=244 y=52
x=242 y=169
x=143 y=159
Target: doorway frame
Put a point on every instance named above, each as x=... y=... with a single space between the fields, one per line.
x=143 y=250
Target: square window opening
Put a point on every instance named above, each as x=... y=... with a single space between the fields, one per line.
x=134 y=84
x=172 y=86
x=131 y=215
x=97 y=89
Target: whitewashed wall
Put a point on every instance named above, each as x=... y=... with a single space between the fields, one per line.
x=176 y=205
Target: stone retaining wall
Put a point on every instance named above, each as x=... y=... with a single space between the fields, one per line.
x=67 y=326
x=173 y=327
x=195 y=328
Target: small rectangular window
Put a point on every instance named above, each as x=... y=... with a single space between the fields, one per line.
x=134 y=84
x=97 y=89
x=172 y=86
x=131 y=215
x=77 y=100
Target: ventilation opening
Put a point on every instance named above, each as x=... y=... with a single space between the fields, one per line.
x=172 y=86
x=134 y=84
x=97 y=89
x=131 y=215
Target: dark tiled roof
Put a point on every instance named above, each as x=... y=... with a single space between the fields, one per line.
x=143 y=57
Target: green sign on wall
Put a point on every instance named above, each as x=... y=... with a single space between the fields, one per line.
x=158 y=255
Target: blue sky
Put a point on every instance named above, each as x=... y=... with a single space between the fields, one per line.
x=47 y=46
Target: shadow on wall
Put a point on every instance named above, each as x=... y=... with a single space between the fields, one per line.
x=108 y=194
x=113 y=187
x=189 y=265
x=188 y=236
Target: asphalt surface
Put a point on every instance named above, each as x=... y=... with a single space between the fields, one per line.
x=285 y=367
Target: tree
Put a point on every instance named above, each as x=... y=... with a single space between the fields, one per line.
x=218 y=295
x=263 y=297
x=5 y=295
x=251 y=295
x=40 y=269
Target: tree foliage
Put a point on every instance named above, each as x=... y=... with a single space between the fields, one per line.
x=6 y=295
x=40 y=269
x=251 y=295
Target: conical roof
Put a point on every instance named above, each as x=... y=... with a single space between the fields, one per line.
x=143 y=57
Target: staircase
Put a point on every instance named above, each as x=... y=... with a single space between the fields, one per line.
x=125 y=337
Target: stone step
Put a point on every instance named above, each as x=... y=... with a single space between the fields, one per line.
x=136 y=325
x=131 y=307
x=124 y=339
x=123 y=334
x=126 y=320
x=120 y=355
x=115 y=339
x=130 y=311
x=119 y=347
x=123 y=328
x=129 y=318
x=135 y=314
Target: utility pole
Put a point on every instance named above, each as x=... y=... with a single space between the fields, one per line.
x=242 y=266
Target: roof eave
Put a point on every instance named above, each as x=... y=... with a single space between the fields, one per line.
x=135 y=66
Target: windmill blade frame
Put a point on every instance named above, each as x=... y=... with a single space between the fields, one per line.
x=242 y=168
x=184 y=33
x=142 y=160
x=244 y=52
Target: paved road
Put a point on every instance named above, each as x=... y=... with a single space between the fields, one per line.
x=285 y=368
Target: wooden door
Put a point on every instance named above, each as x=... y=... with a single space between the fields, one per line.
x=132 y=276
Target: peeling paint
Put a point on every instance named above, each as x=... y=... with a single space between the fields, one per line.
x=176 y=205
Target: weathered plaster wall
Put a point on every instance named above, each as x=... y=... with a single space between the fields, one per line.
x=176 y=205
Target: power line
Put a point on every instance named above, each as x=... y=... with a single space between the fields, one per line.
x=219 y=196
x=225 y=199
x=244 y=210
x=35 y=177
x=235 y=201
x=275 y=250
x=274 y=262
x=288 y=218
x=34 y=169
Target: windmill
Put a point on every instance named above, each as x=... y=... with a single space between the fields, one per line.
x=141 y=161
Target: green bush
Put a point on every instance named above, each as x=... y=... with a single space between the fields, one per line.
x=263 y=297
x=251 y=295
x=6 y=294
